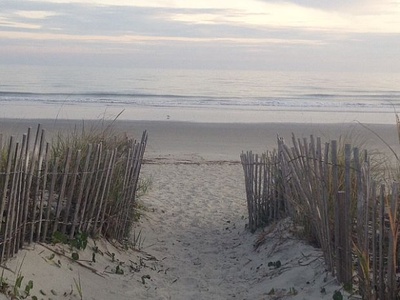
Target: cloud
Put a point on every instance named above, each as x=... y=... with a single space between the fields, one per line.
x=134 y=39
x=338 y=16
x=285 y=15
x=229 y=31
x=35 y=14
x=9 y=23
x=185 y=17
x=145 y=24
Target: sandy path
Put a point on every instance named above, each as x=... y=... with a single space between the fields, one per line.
x=197 y=221
x=196 y=228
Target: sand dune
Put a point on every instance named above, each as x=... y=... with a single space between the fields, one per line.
x=193 y=222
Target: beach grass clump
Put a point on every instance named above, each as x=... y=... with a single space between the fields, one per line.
x=315 y=188
x=100 y=132
x=83 y=181
x=105 y=166
x=359 y=176
x=343 y=199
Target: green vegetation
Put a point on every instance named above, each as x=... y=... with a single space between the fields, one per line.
x=337 y=295
x=17 y=290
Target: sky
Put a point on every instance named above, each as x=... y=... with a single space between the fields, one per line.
x=299 y=35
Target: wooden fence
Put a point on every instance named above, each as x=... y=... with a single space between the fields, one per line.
x=329 y=191
x=43 y=191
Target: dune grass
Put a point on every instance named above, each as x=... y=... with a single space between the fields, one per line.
x=88 y=185
x=309 y=194
x=103 y=133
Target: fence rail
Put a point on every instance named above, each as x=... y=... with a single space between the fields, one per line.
x=91 y=189
x=330 y=191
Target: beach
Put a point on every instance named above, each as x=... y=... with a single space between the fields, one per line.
x=139 y=160
x=216 y=141
x=193 y=241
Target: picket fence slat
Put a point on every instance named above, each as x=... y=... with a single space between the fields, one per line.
x=17 y=228
x=62 y=191
x=36 y=192
x=11 y=206
x=50 y=200
x=67 y=209
x=42 y=193
x=80 y=191
x=82 y=222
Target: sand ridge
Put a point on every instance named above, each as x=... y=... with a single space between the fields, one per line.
x=194 y=223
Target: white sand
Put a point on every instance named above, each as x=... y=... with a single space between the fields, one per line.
x=194 y=225
x=198 y=230
x=196 y=245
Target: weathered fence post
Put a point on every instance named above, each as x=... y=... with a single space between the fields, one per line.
x=4 y=197
x=80 y=191
x=42 y=194
x=344 y=254
x=9 y=236
x=382 y=236
x=393 y=242
x=36 y=195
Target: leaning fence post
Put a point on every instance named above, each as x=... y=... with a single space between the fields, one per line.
x=54 y=176
x=336 y=208
x=63 y=188
x=38 y=178
x=21 y=175
x=347 y=213
x=9 y=235
x=42 y=194
x=78 y=205
x=67 y=210
x=344 y=267
x=373 y=242
x=381 y=288
x=393 y=238
x=6 y=182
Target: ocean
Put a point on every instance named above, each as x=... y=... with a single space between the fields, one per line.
x=197 y=95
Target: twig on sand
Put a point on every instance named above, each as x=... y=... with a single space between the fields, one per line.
x=75 y=261
x=7 y=268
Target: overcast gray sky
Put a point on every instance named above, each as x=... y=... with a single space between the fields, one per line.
x=208 y=34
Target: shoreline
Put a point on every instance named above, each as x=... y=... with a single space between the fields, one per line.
x=206 y=114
